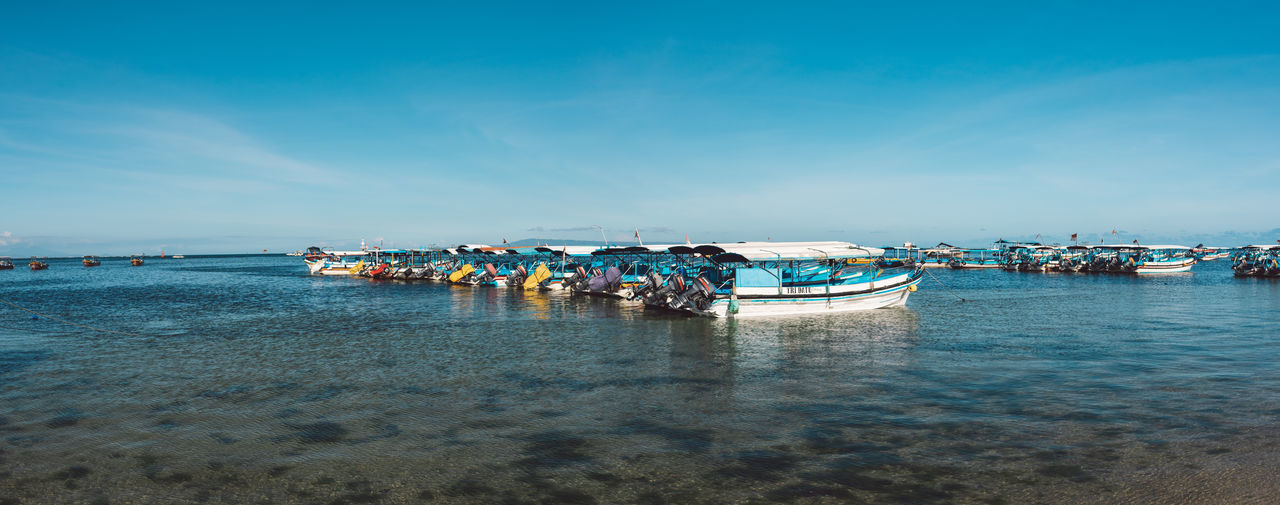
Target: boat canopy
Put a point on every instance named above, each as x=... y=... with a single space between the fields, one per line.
x=765 y=251
x=1137 y=246
x=569 y=250
x=634 y=249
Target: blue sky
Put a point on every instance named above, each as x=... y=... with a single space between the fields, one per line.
x=236 y=128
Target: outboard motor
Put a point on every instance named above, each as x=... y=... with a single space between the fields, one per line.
x=517 y=276
x=645 y=291
x=487 y=274
x=696 y=298
x=579 y=280
x=570 y=278
x=678 y=287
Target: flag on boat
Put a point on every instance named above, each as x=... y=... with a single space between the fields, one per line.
x=504 y=240
x=1135 y=240
x=1113 y=232
x=1073 y=237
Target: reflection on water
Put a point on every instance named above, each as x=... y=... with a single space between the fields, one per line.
x=255 y=383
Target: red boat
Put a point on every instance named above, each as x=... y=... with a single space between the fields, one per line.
x=135 y=261
x=36 y=264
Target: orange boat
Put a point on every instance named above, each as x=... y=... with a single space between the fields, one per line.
x=91 y=261
x=36 y=264
x=135 y=261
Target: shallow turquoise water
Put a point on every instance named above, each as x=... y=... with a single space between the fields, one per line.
x=249 y=381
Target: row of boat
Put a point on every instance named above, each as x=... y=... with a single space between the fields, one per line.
x=1035 y=257
x=715 y=280
x=1256 y=261
x=42 y=263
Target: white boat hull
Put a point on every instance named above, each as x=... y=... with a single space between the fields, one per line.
x=765 y=307
x=1165 y=267
x=335 y=271
x=966 y=266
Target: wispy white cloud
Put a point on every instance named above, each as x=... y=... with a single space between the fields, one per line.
x=189 y=146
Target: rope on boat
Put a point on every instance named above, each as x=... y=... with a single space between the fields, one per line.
x=72 y=323
x=944 y=286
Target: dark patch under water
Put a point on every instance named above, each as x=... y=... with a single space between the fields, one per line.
x=249 y=382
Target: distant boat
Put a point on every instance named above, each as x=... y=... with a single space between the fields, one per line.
x=1204 y=253
x=177 y=256
x=976 y=258
x=91 y=261
x=135 y=260
x=37 y=264
x=5 y=263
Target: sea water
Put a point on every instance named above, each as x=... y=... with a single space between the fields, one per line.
x=244 y=380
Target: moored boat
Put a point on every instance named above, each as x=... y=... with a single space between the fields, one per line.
x=939 y=256
x=330 y=262
x=975 y=258
x=1160 y=259
x=779 y=278
x=1074 y=258
x=135 y=260
x=1256 y=261
x=1206 y=253
x=38 y=263
x=6 y=263
x=91 y=261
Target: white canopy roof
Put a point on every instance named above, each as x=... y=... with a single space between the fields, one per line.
x=1136 y=246
x=764 y=251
